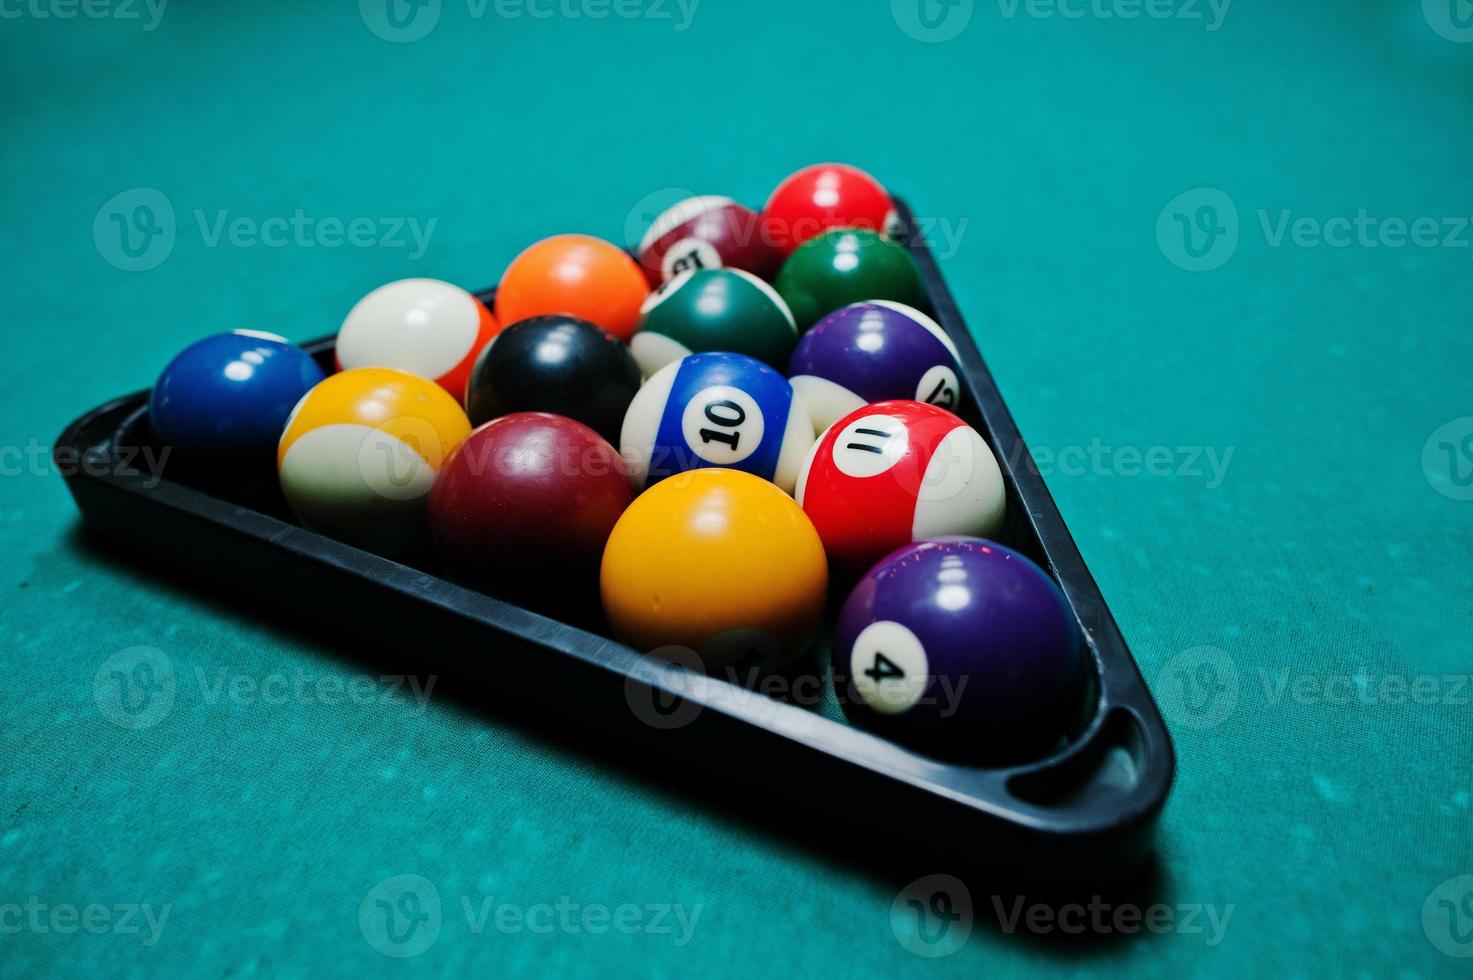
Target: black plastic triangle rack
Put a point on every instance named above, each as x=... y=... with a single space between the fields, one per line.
x=1088 y=807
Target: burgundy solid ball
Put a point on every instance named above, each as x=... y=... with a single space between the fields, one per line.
x=527 y=492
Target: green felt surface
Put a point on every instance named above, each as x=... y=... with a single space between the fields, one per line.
x=1323 y=566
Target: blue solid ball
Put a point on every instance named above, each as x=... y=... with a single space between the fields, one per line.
x=228 y=396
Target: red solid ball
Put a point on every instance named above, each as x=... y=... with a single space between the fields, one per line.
x=527 y=492
x=822 y=197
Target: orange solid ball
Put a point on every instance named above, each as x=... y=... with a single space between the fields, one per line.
x=576 y=275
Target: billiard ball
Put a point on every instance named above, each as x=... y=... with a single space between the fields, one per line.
x=716 y=409
x=870 y=352
x=527 y=494
x=718 y=562
x=826 y=196
x=714 y=310
x=423 y=326
x=962 y=647
x=225 y=399
x=556 y=364
x=360 y=452
x=895 y=472
x=849 y=266
x=707 y=232
x=576 y=275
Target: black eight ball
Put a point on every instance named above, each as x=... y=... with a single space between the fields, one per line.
x=557 y=364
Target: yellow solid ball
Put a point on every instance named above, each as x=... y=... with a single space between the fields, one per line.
x=717 y=561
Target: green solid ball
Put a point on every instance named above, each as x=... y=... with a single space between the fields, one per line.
x=847 y=266
x=714 y=310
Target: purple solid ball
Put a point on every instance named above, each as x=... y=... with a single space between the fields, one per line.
x=962 y=646
x=870 y=352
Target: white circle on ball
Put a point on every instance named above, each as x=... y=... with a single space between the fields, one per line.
x=889 y=667
x=689 y=255
x=724 y=425
x=938 y=387
x=870 y=445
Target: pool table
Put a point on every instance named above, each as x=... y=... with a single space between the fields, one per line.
x=1217 y=255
